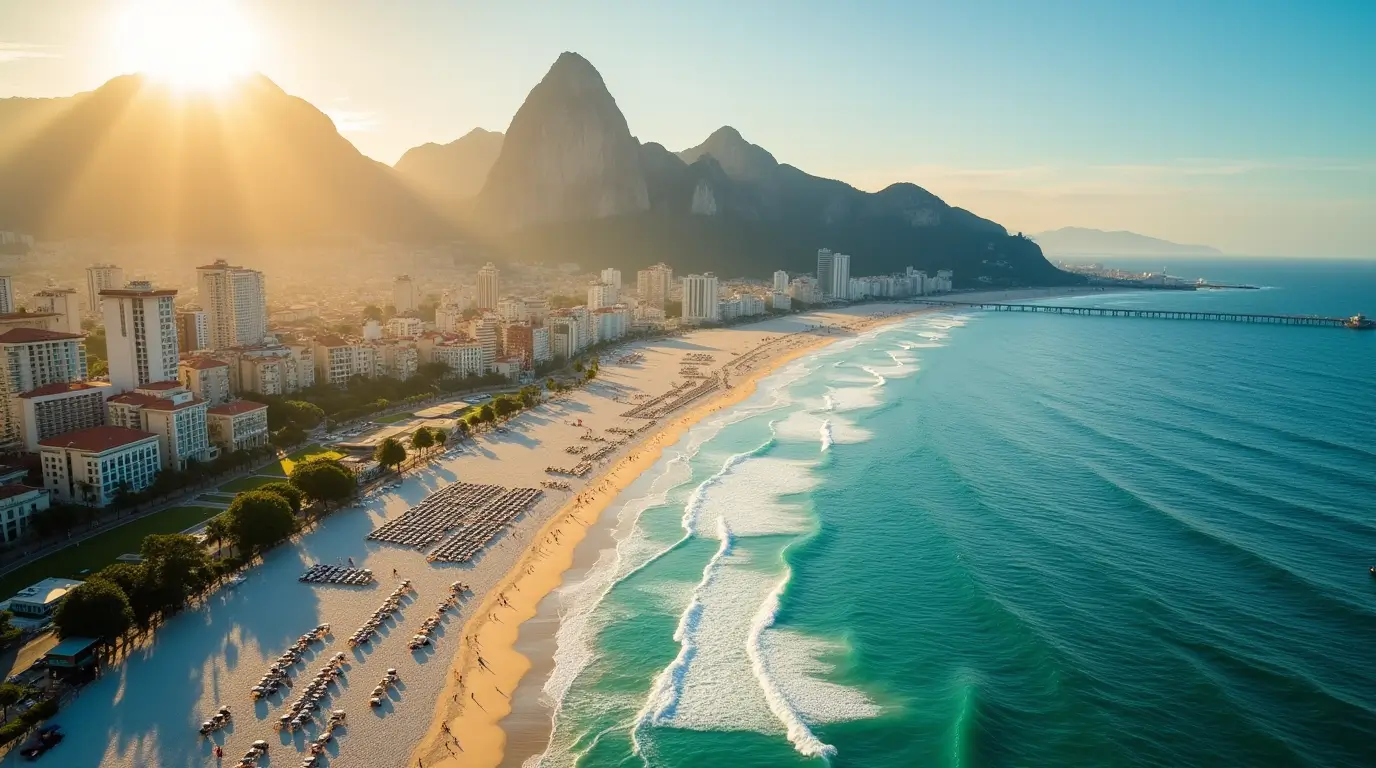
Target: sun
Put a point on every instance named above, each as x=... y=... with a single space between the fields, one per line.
x=191 y=44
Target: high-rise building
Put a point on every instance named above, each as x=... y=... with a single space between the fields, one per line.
x=826 y=275
x=780 y=281
x=488 y=287
x=7 y=295
x=840 y=277
x=537 y=309
x=206 y=378
x=235 y=302
x=601 y=294
x=58 y=408
x=98 y=278
x=612 y=277
x=700 y=303
x=511 y=309
x=170 y=411
x=193 y=330
x=31 y=359
x=140 y=334
x=63 y=303
x=488 y=330
x=654 y=285
x=405 y=295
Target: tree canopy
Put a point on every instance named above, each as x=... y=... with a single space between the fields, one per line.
x=96 y=609
x=289 y=493
x=422 y=440
x=323 y=480
x=390 y=453
x=259 y=519
x=177 y=566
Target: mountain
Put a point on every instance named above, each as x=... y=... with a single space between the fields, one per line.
x=454 y=172
x=572 y=183
x=1079 y=241
x=134 y=160
x=568 y=155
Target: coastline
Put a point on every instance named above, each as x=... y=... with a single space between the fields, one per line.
x=487 y=669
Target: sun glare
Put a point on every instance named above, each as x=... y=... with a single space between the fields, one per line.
x=191 y=44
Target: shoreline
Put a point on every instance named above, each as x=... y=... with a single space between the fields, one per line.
x=483 y=677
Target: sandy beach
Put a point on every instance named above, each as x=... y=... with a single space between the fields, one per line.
x=487 y=680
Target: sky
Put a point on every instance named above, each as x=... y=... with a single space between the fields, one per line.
x=1249 y=126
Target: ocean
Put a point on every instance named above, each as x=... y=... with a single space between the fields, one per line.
x=988 y=539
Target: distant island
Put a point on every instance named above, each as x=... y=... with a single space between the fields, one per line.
x=1081 y=241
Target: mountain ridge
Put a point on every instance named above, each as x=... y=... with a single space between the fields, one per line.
x=1085 y=241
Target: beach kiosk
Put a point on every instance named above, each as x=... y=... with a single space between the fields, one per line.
x=74 y=653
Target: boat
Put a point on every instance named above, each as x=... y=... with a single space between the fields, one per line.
x=1360 y=322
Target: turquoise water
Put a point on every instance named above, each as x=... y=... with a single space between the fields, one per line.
x=1006 y=540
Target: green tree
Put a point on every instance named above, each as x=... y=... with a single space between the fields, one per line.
x=439 y=437
x=372 y=312
x=504 y=407
x=257 y=520
x=390 y=453
x=422 y=440
x=10 y=694
x=8 y=632
x=96 y=609
x=217 y=530
x=578 y=366
x=289 y=493
x=486 y=414
x=461 y=429
x=137 y=584
x=324 y=480
x=178 y=567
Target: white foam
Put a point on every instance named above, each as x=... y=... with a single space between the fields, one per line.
x=879 y=378
x=855 y=398
x=779 y=703
x=748 y=499
x=826 y=434
x=805 y=427
x=661 y=704
x=794 y=661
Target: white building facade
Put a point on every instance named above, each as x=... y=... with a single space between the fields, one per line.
x=235 y=302
x=700 y=303
x=89 y=467
x=140 y=334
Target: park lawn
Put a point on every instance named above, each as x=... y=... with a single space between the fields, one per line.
x=394 y=418
x=100 y=551
x=219 y=498
x=241 y=484
x=312 y=451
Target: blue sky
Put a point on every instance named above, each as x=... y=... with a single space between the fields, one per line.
x=1248 y=126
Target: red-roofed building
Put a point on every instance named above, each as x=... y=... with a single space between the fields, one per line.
x=38 y=321
x=238 y=425
x=207 y=378
x=170 y=411
x=91 y=466
x=57 y=408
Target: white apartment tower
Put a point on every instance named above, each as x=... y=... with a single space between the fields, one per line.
x=653 y=285
x=29 y=360
x=6 y=295
x=235 y=302
x=601 y=295
x=98 y=278
x=612 y=277
x=405 y=295
x=62 y=302
x=488 y=287
x=780 y=281
x=700 y=303
x=840 y=276
x=140 y=334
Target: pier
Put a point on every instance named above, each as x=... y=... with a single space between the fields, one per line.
x=1160 y=314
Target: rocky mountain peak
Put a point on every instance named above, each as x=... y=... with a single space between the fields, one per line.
x=568 y=154
x=740 y=159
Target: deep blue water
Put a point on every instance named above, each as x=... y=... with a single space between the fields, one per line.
x=1009 y=540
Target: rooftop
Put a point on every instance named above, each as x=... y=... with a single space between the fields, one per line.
x=98 y=439
x=46 y=590
x=236 y=408
x=163 y=404
x=10 y=490
x=62 y=387
x=137 y=293
x=133 y=398
x=204 y=363
x=160 y=386
x=32 y=335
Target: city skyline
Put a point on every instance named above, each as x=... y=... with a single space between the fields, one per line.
x=1037 y=120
